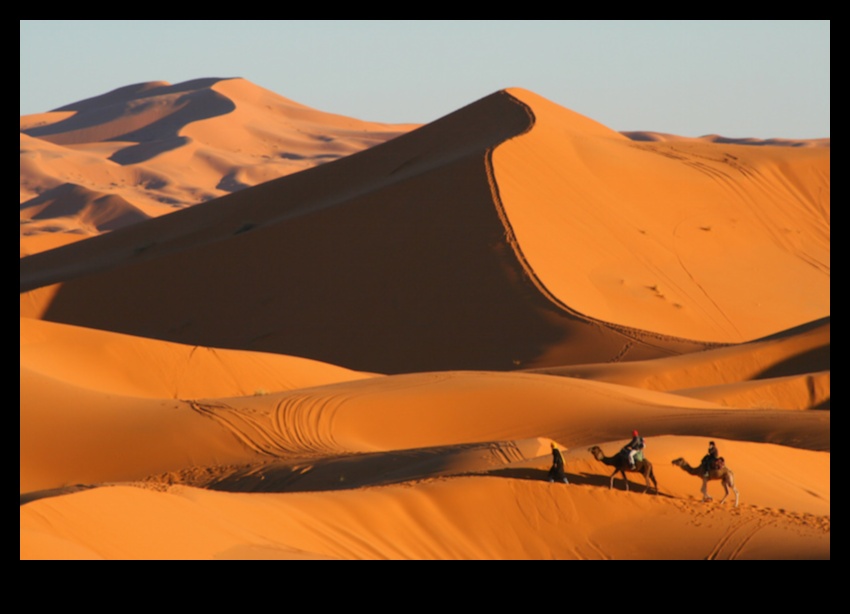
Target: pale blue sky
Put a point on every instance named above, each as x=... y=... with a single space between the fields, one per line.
x=759 y=79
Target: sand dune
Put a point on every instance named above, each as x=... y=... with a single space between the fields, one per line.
x=671 y=225
x=789 y=370
x=644 y=135
x=369 y=358
x=487 y=256
x=160 y=147
x=369 y=459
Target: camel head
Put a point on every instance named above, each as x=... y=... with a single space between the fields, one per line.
x=679 y=462
x=596 y=451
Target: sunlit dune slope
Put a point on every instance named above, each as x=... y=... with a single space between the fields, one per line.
x=696 y=239
x=135 y=366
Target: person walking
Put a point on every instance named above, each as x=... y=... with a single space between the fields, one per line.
x=556 y=472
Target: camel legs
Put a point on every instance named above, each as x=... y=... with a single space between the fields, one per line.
x=616 y=471
x=727 y=485
x=646 y=477
x=704 y=490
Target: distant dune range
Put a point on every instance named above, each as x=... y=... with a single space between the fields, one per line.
x=153 y=148
x=253 y=330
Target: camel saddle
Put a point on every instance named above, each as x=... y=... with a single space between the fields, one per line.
x=624 y=455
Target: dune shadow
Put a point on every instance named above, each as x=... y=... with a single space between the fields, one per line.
x=344 y=473
x=164 y=134
x=100 y=210
x=575 y=479
x=70 y=199
x=823 y=405
x=187 y=102
x=113 y=105
x=230 y=183
x=641 y=136
x=517 y=473
x=29 y=497
x=363 y=470
x=145 y=151
x=596 y=479
x=816 y=359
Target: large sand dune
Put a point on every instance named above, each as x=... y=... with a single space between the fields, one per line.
x=154 y=148
x=369 y=358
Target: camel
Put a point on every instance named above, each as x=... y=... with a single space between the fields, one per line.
x=724 y=474
x=621 y=465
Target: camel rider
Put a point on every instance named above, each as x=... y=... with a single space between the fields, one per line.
x=633 y=447
x=556 y=472
x=709 y=461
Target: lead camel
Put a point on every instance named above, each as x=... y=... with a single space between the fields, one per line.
x=620 y=463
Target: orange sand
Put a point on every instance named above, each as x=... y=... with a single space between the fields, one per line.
x=364 y=343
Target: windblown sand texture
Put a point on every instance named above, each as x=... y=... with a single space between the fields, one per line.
x=254 y=330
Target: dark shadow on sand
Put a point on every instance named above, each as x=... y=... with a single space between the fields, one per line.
x=187 y=102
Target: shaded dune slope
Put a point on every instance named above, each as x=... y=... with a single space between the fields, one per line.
x=98 y=211
x=156 y=118
x=394 y=259
x=789 y=370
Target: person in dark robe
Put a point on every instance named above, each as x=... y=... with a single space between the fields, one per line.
x=556 y=472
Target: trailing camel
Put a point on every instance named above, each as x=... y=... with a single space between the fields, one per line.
x=620 y=463
x=724 y=474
